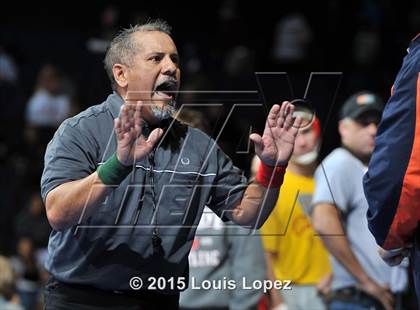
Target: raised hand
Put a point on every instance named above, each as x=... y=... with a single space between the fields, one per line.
x=275 y=146
x=131 y=144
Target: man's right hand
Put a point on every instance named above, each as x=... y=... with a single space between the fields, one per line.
x=394 y=257
x=131 y=144
x=382 y=294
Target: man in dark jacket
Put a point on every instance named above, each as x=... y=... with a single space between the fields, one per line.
x=392 y=183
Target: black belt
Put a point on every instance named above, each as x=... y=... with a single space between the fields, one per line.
x=353 y=294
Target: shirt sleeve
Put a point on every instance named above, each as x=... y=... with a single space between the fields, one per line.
x=70 y=156
x=331 y=186
x=228 y=187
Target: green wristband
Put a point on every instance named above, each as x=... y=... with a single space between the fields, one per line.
x=112 y=172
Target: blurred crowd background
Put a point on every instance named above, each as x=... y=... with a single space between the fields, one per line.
x=51 y=67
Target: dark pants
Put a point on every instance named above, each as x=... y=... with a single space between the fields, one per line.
x=60 y=296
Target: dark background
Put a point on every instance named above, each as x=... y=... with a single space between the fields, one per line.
x=221 y=43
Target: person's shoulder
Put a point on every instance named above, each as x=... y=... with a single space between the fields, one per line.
x=91 y=114
x=95 y=121
x=338 y=156
x=338 y=160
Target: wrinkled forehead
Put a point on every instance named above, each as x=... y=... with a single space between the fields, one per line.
x=154 y=42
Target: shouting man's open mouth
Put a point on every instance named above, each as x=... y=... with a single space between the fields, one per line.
x=163 y=98
x=165 y=91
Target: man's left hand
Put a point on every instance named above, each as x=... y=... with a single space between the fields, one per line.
x=275 y=146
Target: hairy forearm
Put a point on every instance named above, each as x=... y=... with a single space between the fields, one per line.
x=256 y=205
x=340 y=249
x=66 y=203
x=327 y=224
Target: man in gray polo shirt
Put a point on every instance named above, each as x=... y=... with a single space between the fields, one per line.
x=361 y=279
x=125 y=185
